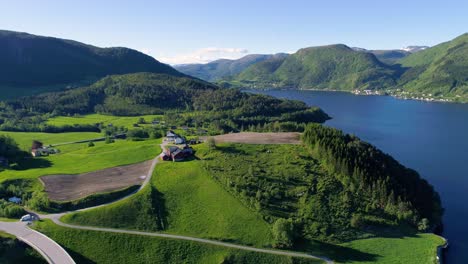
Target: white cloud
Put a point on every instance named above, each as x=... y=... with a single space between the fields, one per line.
x=205 y=55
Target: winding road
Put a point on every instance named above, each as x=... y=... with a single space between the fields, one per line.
x=48 y=248
x=55 y=254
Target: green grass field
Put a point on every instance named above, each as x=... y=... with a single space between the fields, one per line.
x=194 y=205
x=125 y=121
x=419 y=249
x=102 y=247
x=79 y=158
x=24 y=139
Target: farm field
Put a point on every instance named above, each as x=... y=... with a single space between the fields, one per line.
x=102 y=247
x=24 y=139
x=125 y=121
x=79 y=158
x=67 y=187
x=260 y=138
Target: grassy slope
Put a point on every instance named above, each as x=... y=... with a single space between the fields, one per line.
x=194 y=205
x=24 y=139
x=97 y=118
x=197 y=206
x=100 y=247
x=79 y=158
x=280 y=161
x=419 y=249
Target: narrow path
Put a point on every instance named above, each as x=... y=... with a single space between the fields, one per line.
x=195 y=239
x=56 y=219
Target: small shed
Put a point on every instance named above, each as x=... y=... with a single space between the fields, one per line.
x=15 y=200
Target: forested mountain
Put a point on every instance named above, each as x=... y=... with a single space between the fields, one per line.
x=36 y=61
x=335 y=67
x=218 y=69
x=149 y=93
x=440 y=70
x=436 y=73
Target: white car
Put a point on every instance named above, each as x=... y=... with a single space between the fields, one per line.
x=28 y=218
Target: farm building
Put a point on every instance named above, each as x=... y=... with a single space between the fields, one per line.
x=3 y=162
x=175 y=153
x=170 y=135
x=38 y=149
x=173 y=137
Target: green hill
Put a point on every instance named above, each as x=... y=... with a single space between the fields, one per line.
x=136 y=94
x=334 y=67
x=440 y=70
x=37 y=63
x=223 y=68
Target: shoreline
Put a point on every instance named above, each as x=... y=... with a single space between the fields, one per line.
x=364 y=93
x=441 y=249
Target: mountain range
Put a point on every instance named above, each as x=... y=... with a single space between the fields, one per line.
x=36 y=61
x=34 y=64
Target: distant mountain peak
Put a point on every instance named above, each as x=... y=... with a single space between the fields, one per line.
x=413 y=49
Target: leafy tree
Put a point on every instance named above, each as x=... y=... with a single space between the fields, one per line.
x=39 y=201
x=283 y=233
x=423 y=225
x=211 y=143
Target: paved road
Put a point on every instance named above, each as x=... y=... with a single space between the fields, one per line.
x=47 y=247
x=56 y=254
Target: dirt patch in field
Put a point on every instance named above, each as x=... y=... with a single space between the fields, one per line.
x=71 y=187
x=260 y=138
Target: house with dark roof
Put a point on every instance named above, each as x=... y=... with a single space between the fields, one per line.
x=175 y=153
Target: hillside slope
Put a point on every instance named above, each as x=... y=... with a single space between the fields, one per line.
x=441 y=70
x=223 y=68
x=37 y=61
x=335 y=67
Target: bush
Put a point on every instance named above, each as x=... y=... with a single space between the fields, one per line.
x=90 y=144
x=423 y=225
x=39 y=201
x=211 y=143
x=109 y=140
x=10 y=210
x=283 y=233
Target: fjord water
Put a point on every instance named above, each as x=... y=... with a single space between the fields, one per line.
x=431 y=138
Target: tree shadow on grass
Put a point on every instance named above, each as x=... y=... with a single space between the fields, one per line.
x=32 y=163
x=336 y=252
x=159 y=202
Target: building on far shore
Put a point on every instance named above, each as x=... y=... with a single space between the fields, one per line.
x=3 y=162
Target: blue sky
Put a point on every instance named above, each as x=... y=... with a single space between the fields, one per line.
x=177 y=31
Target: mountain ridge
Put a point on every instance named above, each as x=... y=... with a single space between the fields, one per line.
x=31 y=61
